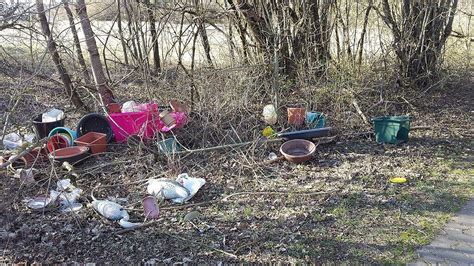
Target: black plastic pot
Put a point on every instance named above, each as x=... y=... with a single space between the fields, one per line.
x=43 y=128
x=95 y=123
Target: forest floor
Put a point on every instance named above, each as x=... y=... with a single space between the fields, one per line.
x=338 y=207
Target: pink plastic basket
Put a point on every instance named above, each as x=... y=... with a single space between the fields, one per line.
x=143 y=124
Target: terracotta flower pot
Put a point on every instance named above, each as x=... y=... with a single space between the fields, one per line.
x=97 y=142
x=296 y=116
x=150 y=208
x=73 y=155
x=114 y=108
x=298 y=150
x=37 y=155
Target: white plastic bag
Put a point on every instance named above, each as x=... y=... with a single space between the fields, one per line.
x=192 y=184
x=52 y=115
x=12 y=141
x=167 y=188
x=130 y=106
x=269 y=114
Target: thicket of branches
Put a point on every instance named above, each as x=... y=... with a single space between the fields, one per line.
x=290 y=39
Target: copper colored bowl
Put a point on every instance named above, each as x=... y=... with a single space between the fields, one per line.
x=298 y=150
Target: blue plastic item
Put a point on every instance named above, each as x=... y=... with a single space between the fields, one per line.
x=58 y=130
x=315 y=120
x=168 y=146
x=391 y=129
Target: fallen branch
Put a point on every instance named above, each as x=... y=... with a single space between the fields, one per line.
x=356 y=106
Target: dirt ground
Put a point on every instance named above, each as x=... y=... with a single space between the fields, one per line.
x=339 y=207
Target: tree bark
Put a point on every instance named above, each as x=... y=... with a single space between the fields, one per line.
x=77 y=44
x=203 y=33
x=97 y=70
x=65 y=78
x=119 y=24
x=154 y=37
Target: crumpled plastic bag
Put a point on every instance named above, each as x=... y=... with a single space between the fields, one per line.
x=269 y=114
x=67 y=194
x=192 y=184
x=166 y=188
x=179 y=191
x=12 y=141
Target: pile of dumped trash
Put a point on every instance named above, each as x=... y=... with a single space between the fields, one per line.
x=67 y=198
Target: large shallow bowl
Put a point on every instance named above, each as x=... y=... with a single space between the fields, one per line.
x=298 y=150
x=72 y=155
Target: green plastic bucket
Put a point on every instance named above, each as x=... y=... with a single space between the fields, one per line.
x=391 y=129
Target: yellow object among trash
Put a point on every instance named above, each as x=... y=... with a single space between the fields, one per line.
x=268 y=131
x=398 y=180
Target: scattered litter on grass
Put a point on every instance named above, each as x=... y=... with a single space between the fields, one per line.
x=180 y=190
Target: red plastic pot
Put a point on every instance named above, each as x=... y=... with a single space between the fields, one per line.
x=97 y=142
x=37 y=155
x=113 y=108
x=73 y=155
x=296 y=116
x=56 y=142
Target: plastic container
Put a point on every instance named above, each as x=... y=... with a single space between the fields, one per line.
x=298 y=150
x=72 y=155
x=43 y=128
x=97 y=142
x=68 y=133
x=52 y=115
x=113 y=108
x=391 y=129
x=315 y=120
x=296 y=116
x=306 y=134
x=128 y=124
x=168 y=146
x=95 y=123
x=56 y=142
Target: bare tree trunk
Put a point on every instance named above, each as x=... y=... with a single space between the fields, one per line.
x=80 y=57
x=203 y=33
x=130 y=33
x=65 y=78
x=154 y=37
x=364 y=30
x=119 y=24
x=97 y=70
